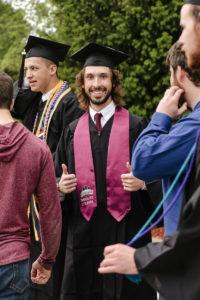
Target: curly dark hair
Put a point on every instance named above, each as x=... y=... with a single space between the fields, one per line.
x=116 y=93
x=176 y=57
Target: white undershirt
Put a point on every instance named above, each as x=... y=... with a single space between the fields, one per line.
x=45 y=96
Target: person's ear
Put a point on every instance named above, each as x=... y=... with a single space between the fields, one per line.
x=180 y=74
x=53 y=69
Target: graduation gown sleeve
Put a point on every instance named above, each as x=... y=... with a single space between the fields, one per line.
x=173 y=266
x=65 y=150
x=26 y=107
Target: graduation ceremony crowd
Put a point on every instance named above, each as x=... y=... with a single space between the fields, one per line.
x=82 y=178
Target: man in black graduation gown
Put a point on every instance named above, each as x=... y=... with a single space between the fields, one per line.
x=46 y=108
x=58 y=105
x=172 y=266
x=85 y=153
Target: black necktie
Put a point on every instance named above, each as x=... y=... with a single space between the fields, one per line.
x=97 y=118
x=41 y=106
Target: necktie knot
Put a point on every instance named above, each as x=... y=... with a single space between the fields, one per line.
x=97 y=118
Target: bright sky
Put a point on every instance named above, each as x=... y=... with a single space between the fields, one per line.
x=30 y=14
x=21 y=3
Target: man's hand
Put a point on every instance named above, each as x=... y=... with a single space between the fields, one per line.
x=130 y=182
x=118 y=258
x=39 y=274
x=68 y=182
x=169 y=103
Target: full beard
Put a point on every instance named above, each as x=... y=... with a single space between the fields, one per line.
x=100 y=101
x=194 y=59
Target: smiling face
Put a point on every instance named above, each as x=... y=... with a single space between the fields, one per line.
x=98 y=85
x=39 y=73
x=190 y=36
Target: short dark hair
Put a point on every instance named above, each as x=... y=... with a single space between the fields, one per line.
x=6 y=90
x=176 y=57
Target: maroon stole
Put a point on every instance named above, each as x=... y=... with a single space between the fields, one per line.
x=118 y=200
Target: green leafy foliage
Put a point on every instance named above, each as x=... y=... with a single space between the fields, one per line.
x=13 y=32
x=145 y=29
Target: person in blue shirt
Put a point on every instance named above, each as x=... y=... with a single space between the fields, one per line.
x=162 y=147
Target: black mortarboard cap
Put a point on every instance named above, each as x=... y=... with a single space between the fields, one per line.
x=98 y=55
x=194 y=2
x=39 y=47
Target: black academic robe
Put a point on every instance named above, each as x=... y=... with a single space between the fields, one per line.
x=86 y=240
x=27 y=105
x=173 y=266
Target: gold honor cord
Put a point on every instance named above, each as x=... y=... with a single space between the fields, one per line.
x=53 y=110
x=37 y=130
x=49 y=103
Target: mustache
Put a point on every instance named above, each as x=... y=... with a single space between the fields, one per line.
x=97 y=89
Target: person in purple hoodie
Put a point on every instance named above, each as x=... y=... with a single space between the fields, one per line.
x=104 y=202
x=26 y=167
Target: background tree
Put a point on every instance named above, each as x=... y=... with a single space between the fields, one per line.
x=13 y=31
x=144 y=29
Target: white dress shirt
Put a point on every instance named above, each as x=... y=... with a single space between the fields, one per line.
x=107 y=112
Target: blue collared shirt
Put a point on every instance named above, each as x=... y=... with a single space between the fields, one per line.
x=160 y=151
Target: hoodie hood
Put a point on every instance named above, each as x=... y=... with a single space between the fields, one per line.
x=12 y=136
